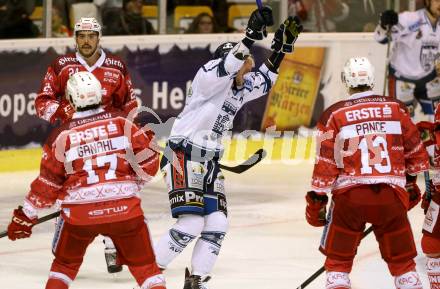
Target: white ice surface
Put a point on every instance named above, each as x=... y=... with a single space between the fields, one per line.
x=269 y=244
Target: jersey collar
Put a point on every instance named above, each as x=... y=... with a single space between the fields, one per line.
x=97 y=64
x=361 y=94
x=81 y=114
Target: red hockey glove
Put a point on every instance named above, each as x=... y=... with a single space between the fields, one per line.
x=20 y=226
x=413 y=191
x=316 y=209
x=426 y=130
x=64 y=112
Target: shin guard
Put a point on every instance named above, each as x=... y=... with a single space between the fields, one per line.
x=337 y=280
x=433 y=271
x=409 y=280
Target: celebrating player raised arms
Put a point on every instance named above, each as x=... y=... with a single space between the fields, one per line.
x=191 y=161
x=368 y=157
x=91 y=165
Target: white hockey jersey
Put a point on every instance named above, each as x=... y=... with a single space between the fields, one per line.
x=213 y=102
x=416 y=44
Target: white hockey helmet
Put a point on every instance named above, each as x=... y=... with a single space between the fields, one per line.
x=83 y=89
x=87 y=24
x=358 y=71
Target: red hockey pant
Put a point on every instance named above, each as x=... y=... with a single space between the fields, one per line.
x=348 y=214
x=131 y=239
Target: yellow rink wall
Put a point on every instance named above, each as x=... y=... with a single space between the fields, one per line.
x=288 y=150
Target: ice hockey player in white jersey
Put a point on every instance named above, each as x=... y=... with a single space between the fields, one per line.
x=191 y=160
x=416 y=39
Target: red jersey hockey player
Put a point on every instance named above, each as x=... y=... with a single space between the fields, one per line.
x=117 y=90
x=368 y=157
x=92 y=165
x=431 y=226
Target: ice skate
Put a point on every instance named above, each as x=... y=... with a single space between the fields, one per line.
x=195 y=281
x=111 y=260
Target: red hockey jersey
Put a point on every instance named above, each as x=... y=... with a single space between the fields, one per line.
x=367 y=139
x=436 y=163
x=117 y=89
x=94 y=167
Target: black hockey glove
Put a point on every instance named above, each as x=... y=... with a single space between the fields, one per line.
x=286 y=35
x=260 y=18
x=388 y=18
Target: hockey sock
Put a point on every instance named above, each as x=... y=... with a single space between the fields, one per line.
x=409 y=280
x=56 y=284
x=108 y=243
x=171 y=244
x=207 y=248
x=337 y=280
x=433 y=271
x=58 y=281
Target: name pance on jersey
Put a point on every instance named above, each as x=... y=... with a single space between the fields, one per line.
x=368 y=113
x=370 y=127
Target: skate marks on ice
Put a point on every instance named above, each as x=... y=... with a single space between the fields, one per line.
x=268 y=243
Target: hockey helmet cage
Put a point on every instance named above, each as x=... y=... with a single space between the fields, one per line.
x=358 y=71
x=87 y=24
x=83 y=89
x=224 y=49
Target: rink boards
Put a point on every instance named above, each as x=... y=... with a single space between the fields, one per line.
x=291 y=149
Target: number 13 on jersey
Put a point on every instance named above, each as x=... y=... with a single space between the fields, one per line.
x=374 y=154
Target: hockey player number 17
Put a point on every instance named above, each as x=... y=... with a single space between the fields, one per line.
x=92 y=177
x=378 y=144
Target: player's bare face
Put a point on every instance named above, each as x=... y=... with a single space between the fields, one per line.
x=435 y=8
x=87 y=42
x=247 y=67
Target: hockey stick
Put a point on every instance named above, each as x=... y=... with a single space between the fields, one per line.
x=247 y=164
x=39 y=221
x=387 y=61
x=322 y=269
x=427 y=186
x=259 y=4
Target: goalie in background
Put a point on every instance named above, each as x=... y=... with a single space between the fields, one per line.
x=369 y=154
x=191 y=160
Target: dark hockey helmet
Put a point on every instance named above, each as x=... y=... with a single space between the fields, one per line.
x=223 y=49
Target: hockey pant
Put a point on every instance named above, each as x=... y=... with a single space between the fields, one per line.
x=348 y=214
x=131 y=239
x=425 y=91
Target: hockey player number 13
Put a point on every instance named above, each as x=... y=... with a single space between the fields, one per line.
x=101 y=161
x=378 y=144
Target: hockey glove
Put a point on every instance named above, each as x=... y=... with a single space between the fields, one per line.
x=20 y=226
x=64 y=113
x=388 y=18
x=316 y=209
x=260 y=18
x=426 y=130
x=413 y=190
x=286 y=35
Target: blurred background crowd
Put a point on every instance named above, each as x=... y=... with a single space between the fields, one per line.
x=25 y=18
